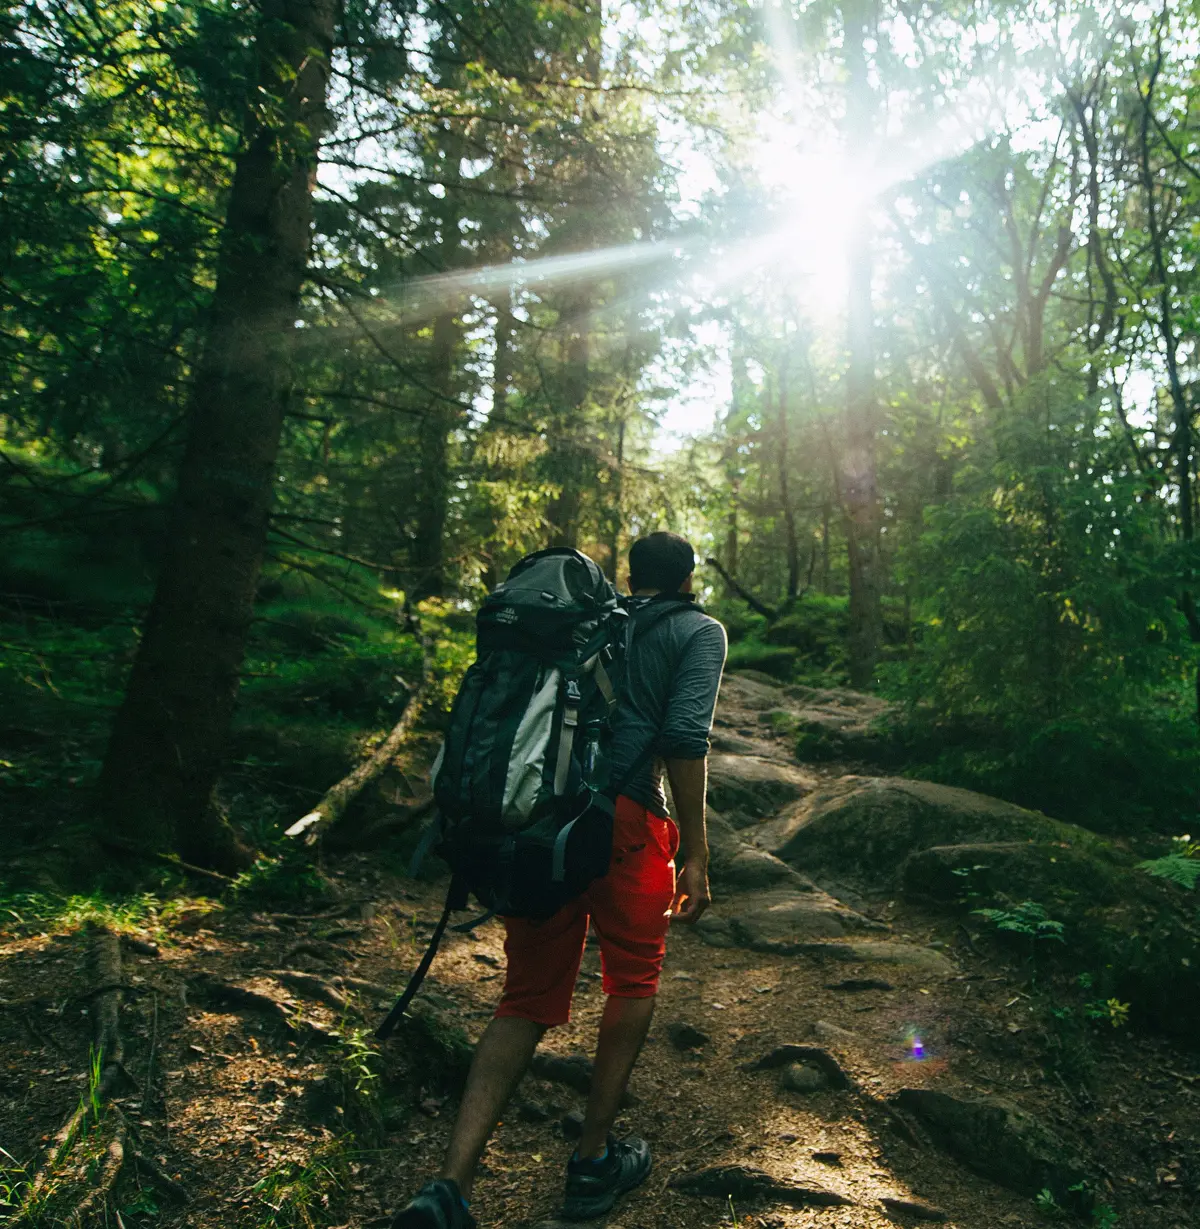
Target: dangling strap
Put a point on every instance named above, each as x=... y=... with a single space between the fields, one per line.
x=454 y=900
x=466 y=927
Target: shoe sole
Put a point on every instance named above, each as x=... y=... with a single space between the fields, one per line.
x=589 y=1209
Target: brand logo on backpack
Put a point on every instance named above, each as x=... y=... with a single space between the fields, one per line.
x=507 y=615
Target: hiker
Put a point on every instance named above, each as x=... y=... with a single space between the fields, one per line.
x=674 y=672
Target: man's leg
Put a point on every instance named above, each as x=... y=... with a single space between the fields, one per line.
x=501 y=1059
x=623 y=1029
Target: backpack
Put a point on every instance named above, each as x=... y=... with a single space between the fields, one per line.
x=522 y=784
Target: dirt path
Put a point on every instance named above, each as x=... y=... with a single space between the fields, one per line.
x=251 y=1110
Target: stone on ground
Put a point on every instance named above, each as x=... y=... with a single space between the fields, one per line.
x=748 y=1183
x=748 y=788
x=780 y=920
x=865 y=827
x=998 y=1140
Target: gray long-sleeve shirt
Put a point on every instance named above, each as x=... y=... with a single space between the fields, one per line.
x=674 y=676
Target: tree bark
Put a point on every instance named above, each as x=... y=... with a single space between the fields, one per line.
x=566 y=508
x=860 y=492
x=443 y=414
x=785 y=495
x=167 y=744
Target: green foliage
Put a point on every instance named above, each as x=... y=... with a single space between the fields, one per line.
x=1181 y=865
x=776 y=660
x=359 y=1079
x=295 y=1195
x=14 y=1180
x=61 y=914
x=285 y=878
x=1027 y=919
x=1111 y=771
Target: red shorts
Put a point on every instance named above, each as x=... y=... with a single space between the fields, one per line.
x=629 y=909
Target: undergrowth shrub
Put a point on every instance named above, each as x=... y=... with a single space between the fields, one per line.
x=1113 y=772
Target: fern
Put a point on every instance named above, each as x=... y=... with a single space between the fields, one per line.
x=1175 y=868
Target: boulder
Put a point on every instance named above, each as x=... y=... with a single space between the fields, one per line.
x=748 y=788
x=736 y=866
x=781 y=920
x=1037 y=870
x=1136 y=935
x=859 y=951
x=865 y=827
x=823 y=723
x=998 y=1140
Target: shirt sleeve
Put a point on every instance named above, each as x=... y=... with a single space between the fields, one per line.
x=693 y=697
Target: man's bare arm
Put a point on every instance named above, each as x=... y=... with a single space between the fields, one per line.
x=689 y=786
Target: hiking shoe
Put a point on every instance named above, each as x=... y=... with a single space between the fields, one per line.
x=594 y=1186
x=437 y=1205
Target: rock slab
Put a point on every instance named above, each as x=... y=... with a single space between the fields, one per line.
x=998 y=1140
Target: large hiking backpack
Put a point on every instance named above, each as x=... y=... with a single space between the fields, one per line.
x=522 y=785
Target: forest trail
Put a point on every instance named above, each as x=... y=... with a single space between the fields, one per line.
x=248 y=1066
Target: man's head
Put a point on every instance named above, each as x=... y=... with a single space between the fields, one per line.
x=661 y=563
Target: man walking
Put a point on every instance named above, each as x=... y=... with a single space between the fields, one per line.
x=675 y=672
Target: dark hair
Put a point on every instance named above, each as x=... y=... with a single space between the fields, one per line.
x=660 y=561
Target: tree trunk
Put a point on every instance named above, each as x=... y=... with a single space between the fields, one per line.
x=789 y=513
x=167 y=744
x=1181 y=441
x=442 y=416
x=443 y=413
x=615 y=518
x=860 y=491
x=568 y=460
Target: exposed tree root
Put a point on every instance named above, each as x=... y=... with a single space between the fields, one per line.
x=110 y=1171
x=161 y=1178
x=108 y=1050
x=241 y=998
x=371 y=989
x=312 y=987
x=332 y=808
x=228 y=994
x=321 y=949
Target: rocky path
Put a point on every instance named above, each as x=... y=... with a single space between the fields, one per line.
x=824 y=1054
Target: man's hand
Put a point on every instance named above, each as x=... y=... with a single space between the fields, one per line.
x=691 y=892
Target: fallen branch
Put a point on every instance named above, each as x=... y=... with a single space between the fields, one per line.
x=758 y=607
x=331 y=809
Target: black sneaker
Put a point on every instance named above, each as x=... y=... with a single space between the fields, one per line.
x=437 y=1205
x=594 y=1186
